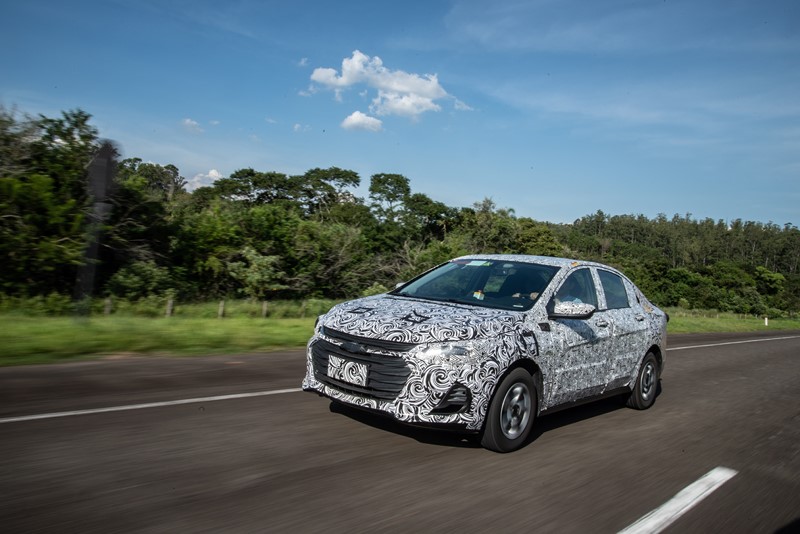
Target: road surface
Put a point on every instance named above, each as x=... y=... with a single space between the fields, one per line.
x=289 y=461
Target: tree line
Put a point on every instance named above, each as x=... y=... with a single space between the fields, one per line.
x=269 y=235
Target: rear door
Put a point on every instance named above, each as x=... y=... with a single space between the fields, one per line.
x=627 y=324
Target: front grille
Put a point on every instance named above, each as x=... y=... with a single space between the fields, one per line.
x=386 y=375
x=379 y=345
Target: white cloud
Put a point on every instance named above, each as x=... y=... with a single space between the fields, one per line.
x=362 y=121
x=312 y=89
x=461 y=106
x=407 y=105
x=203 y=179
x=270 y=120
x=192 y=125
x=214 y=123
x=303 y=62
x=399 y=92
x=301 y=127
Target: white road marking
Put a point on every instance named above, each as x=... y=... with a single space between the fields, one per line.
x=147 y=405
x=682 y=502
x=732 y=343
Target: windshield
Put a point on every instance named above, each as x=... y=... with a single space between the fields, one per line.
x=491 y=283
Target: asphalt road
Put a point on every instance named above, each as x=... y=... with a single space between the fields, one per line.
x=291 y=462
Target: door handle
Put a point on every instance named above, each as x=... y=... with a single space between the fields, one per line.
x=639 y=317
x=602 y=323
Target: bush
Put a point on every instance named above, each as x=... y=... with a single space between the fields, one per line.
x=40 y=305
x=374 y=289
x=140 y=279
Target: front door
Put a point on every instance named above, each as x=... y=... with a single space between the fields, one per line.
x=581 y=346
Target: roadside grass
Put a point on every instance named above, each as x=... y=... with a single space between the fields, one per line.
x=706 y=321
x=27 y=340
x=42 y=339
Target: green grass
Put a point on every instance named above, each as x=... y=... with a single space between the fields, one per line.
x=704 y=321
x=27 y=340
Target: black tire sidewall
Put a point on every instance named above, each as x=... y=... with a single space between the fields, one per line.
x=636 y=400
x=493 y=437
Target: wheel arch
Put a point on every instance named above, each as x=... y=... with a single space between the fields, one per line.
x=656 y=350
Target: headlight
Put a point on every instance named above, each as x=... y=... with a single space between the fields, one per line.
x=457 y=353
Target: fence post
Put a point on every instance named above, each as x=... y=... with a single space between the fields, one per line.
x=264 y=310
x=766 y=321
x=170 y=304
x=221 y=310
x=107 y=307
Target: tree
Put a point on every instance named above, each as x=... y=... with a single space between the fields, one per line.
x=16 y=137
x=163 y=181
x=258 y=274
x=427 y=219
x=388 y=193
x=330 y=260
x=43 y=200
x=140 y=279
x=319 y=190
x=63 y=150
x=41 y=237
x=536 y=238
x=490 y=229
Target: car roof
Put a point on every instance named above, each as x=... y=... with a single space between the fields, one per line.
x=541 y=260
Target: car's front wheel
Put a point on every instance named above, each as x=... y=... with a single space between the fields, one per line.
x=644 y=391
x=511 y=412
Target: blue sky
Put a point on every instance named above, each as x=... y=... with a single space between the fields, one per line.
x=553 y=108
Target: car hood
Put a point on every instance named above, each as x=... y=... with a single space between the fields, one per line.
x=409 y=320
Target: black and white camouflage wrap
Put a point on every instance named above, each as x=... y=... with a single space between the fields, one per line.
x=475 y=346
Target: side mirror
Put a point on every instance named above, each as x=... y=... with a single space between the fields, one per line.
x=570 y=310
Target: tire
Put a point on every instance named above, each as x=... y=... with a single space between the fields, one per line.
x=511 y=412
x=644 y=390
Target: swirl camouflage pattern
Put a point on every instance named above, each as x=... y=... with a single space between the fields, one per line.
x=438 y=348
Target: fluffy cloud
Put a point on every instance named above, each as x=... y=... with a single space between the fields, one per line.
x=203 y=179
x=408 y=105
x=361 y=121
x=399 y=92
x=192 y=125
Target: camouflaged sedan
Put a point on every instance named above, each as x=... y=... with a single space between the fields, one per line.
x=487 y=343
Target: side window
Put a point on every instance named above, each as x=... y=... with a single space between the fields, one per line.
x=578 y=287
x=614 y=288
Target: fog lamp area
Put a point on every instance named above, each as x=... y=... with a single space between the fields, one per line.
x=457 y=400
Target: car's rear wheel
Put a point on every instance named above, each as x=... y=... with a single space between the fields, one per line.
x=644 y=391
x=511 y=412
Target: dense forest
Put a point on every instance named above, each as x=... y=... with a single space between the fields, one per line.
x=268 y=235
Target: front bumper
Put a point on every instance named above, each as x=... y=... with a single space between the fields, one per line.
x=400 y=383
